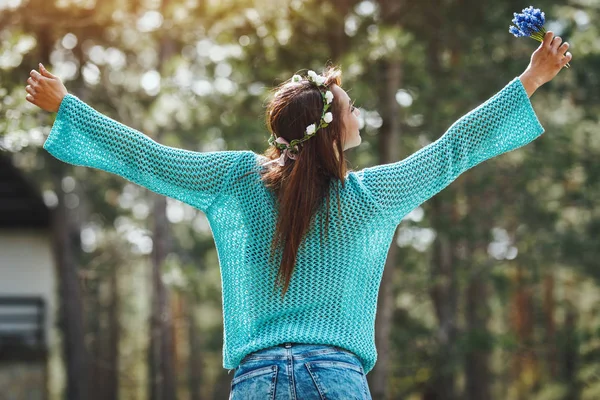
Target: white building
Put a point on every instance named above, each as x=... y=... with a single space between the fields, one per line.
x=28 y=295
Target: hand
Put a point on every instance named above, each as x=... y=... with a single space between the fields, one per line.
x=45 y=90
x=548 y=59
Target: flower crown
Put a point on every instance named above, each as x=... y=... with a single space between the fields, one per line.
x=326 y=117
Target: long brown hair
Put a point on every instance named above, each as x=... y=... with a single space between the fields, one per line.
x=302 y=185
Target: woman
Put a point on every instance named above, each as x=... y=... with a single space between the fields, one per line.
x=310 y=337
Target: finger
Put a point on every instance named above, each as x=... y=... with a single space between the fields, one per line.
x=547 y=39
x=30 y=90
x=32 y=82
x=45 y=72
x=35 y=75
x=563 y=47
x=29 y=98
x=566 y=58
x=556 y=42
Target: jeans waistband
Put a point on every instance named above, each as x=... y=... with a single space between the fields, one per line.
x=298 y=350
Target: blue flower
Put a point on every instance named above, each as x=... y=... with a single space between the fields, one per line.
x=530 y=23
x=515 y=31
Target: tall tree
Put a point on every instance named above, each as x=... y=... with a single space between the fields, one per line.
x=389 y=151
x=163 y=385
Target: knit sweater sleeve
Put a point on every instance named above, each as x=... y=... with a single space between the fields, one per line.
x=83 y=136
x=504 y=122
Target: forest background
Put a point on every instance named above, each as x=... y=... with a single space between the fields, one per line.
x=491 y=289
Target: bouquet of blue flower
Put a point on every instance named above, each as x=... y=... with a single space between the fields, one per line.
x=529 y=23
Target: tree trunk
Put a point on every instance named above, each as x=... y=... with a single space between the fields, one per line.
x=336 y=34
x=114 y=337
x=445 y=295
x=570 y=344
x=195 y=359
x=389 y=151
x=477 y=225
x=105 y=329
x=477 y=371
x=180 y=333
x=444 y=291
x=163 y=386
x=549 y=306
x=65 y=240
x=162 y=380
x=524 y=360
x=66 y=247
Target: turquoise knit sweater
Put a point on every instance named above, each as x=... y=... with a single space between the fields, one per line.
x=332 y=298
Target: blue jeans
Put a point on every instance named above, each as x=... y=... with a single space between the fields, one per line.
x=295 y=371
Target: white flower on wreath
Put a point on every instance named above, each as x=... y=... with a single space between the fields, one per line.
x=329 y=96
x=296 y=78
x=311 y=129
x=328 y=117
x=318 y=79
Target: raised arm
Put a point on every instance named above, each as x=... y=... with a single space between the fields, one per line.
x=503 y=123
x=83 y=136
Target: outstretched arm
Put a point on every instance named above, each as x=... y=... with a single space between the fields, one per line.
x=83 y=136
x=503 y=123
